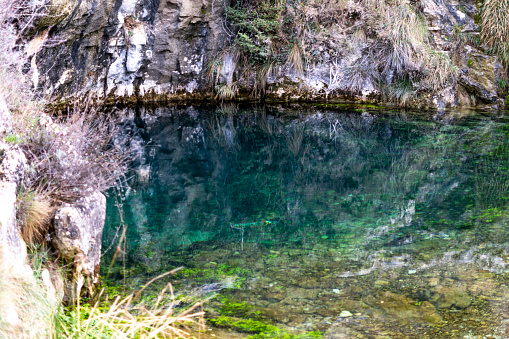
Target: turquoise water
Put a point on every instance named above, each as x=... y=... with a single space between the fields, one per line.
x=357 y=223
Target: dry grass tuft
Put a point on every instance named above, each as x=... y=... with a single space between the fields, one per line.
x=495 y=28
x=34 y=213
x=26 y=308
x=124 y=319
x=227 y=92
x=262 y=76
x=403 y=52
x=402 y=35
x=358 y=73
x=296 y=59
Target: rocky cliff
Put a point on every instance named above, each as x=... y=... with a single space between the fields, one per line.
x=160 y=50
x=129 y=47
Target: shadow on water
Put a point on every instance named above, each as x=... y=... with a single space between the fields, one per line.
x=356 y=223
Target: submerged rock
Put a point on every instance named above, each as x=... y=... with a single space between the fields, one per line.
x=447 y=297
x=398 y=307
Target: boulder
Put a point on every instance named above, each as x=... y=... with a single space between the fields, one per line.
x=451 y=297
x=77 y=235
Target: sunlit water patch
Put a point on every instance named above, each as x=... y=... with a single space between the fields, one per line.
x=355 y=223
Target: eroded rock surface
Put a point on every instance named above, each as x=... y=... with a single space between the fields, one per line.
x=77 y=235
x=12 y=165
x=131 y=47
x=5 y=117
x=160 y=50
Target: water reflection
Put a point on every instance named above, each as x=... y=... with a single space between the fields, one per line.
x=398 y=220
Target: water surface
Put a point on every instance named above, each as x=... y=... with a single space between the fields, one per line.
x=358 y=223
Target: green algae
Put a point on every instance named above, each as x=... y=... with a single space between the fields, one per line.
x=239 y=310
x=242 y=325
x=285 y=335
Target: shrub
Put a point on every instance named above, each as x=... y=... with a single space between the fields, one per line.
x=257 y=24
x=72 y=159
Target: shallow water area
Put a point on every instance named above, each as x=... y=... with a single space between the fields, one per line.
x=359 y=223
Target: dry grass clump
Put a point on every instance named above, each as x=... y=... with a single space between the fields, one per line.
x=403 y=47
x=26 y=308
x=355 y=75
x=495 y=27
x=401 y=36
x=227 y=92
x=125 y=319
x=34 y=213
x=296 y=59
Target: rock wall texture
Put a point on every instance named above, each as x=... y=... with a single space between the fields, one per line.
x=157 y=50
x=12 y=247
x=132 y=47
x=77 y=235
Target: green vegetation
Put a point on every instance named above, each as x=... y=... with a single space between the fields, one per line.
x=258 y=24
x=280 y=334
x=273 y=37
x=262 y=330
x=242 y=325
x=239 y=310
x=243 y=318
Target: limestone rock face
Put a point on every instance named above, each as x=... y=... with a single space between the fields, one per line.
x=133 y=47
x=12 y=247
x=160 y=50
x=77 y=235
x=5 y=117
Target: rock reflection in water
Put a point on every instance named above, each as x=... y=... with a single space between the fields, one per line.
x=359 y=224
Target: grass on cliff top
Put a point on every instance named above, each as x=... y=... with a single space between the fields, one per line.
x=495 y=28
x=278 y=37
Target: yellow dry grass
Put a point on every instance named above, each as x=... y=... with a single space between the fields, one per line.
x=34 y=213
x=125 y=319
x=495 y=27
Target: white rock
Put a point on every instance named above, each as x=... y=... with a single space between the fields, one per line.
x=345 y=314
